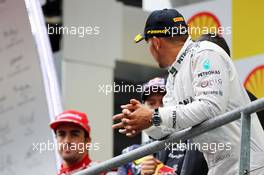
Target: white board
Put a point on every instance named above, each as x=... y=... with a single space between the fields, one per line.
x=29 y=96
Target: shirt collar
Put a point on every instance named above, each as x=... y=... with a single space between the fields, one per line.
x=78 y=166
x=175 y=67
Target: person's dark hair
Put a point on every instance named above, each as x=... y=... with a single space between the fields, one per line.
x=215 y=38
x=86 y=135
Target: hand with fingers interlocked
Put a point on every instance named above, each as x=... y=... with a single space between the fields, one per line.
x=135 y=117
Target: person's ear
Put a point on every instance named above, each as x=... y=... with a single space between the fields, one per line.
x=87 y=139
x=156 y=43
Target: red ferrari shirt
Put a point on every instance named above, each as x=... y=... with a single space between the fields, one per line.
x=76 y=167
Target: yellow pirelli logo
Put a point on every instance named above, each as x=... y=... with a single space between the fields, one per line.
x=178 y=19
x=155 y=31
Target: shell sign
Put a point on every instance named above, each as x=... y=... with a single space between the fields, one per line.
x=255 y=81
x=203 y=23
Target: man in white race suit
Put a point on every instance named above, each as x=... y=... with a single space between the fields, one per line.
x=202 y=84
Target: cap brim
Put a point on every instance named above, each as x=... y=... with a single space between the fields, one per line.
x=139 y=38
x=55 y=124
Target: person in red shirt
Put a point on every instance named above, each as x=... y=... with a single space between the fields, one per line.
x=72 y=132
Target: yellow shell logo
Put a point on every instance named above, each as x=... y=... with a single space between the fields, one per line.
x=255 y=82
x=203 y=23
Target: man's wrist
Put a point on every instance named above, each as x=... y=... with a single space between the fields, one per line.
x=156 y=118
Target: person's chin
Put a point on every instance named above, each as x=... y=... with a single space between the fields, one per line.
x=68 y=157
x=163 y=66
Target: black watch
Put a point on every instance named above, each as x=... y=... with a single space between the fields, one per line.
x=156 y=120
